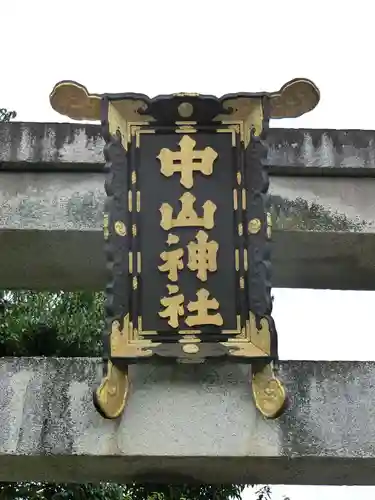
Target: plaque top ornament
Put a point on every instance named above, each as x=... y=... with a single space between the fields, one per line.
x=295 y=98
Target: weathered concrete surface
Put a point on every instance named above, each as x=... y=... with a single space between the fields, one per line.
x=323 y=152
x=44 y=146
x=51 y=217
x=51 y=238
x=73 y=146
x=194 y=422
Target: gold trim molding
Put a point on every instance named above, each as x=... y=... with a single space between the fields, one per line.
x=247 y=113
x=126 y=342
x=123 y=117
x=250 y=341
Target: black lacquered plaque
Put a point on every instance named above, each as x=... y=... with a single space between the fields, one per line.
x=187 y=228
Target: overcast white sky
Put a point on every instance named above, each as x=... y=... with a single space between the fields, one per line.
x=212 y=47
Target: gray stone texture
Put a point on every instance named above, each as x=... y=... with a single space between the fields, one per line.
x=80 y=146
x=52 y=195
x=51 y=231
x=195 y=423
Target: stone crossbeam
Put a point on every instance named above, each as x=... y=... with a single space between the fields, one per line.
x=72 y=146
x=187 y=423
x=52 y=196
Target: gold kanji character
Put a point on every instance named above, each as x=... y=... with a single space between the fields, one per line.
x=173 y=306
x=187 y=216
x=187 y=161
x=202 y=306
x=202 y=255
x=172 y=263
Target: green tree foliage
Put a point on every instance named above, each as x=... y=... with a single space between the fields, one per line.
x=39 y=491
x=51 y=324
x=71 y=324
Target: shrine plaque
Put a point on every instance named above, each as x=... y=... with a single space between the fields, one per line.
x=187 y=227
x=188 y=233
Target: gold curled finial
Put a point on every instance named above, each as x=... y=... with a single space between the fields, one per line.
x=269 y=393
x=72 y=99
x=111 y=396
x=295 y=98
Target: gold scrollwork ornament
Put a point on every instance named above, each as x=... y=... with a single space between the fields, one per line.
x=111 y=396
x=268 y=392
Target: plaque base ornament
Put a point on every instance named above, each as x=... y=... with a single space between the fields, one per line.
x=187 y=231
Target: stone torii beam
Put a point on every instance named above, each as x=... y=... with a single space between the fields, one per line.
x=187 y=423
x=52 y=194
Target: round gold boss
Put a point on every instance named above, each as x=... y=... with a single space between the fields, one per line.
x=190 y=348
x=120 y=228
x=185 y=109
x=254 y=226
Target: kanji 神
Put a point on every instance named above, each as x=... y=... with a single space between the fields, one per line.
x=202 y=255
